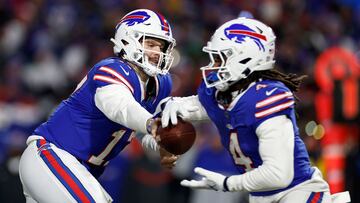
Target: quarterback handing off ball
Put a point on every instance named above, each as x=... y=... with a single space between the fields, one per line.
x=177 y=139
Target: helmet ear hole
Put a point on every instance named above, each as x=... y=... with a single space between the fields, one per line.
x=244 y=61
x=124 y=42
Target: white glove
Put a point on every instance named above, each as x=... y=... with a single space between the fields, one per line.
x=148 y=141
x=173 y=108
x=210 y=180
x=341 y=197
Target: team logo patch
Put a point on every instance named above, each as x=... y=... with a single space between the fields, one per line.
x=239 y=32
x=134 y=18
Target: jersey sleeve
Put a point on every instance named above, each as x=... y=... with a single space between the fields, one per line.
x=117 y=103
x=115 y=73
x=271 y=101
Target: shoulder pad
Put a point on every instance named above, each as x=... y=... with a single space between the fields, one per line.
x=115 y=71
x=272 y=97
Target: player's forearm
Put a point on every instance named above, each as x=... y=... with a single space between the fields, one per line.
x=276 y=146
x=264 y=178
x=119 y=105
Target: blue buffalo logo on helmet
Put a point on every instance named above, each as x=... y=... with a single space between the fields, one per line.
x=134 y=18
x=239 y=32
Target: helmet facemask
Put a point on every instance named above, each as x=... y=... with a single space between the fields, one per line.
x=164 y=61
x=217 y=75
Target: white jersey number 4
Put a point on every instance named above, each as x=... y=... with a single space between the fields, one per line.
x=237 y=154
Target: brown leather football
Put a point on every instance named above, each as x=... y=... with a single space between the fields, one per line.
x=177 y=139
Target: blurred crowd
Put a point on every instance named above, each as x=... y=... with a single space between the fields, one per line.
x=47 y=46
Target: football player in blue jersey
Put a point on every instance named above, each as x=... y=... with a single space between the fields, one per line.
x=118 y=97
x=253 y=107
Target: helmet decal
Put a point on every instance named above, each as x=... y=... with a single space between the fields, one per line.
x=164 y=24
x=134 y=18
x=239 y=32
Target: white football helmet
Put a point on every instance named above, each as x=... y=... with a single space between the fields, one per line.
x=241 y=46
x=131 y=32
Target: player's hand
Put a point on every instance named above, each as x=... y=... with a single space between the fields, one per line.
x=167 y=160
x=173 y=108
x=210 y=180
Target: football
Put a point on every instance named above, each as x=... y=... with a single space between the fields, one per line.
x=177 y=139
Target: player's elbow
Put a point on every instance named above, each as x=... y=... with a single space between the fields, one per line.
x=281 y=177
x=285 y=180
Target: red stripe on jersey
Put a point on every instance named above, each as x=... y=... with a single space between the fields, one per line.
x=110 y=80
x=67 y=178
x=273 y=99
x=274 y=109
x=107 y=79
x=118 y=76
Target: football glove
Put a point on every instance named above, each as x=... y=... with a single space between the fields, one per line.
x=210 y=180
x=173 y=108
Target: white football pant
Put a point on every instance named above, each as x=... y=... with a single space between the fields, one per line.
x=315 y=190
x=52 y=175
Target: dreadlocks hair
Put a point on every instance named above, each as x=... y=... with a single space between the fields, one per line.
x=292 y=81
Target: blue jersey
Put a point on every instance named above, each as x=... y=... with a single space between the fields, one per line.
x=81 y=129
x=237 y=125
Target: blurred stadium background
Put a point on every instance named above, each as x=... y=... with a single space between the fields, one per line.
x=46 y=47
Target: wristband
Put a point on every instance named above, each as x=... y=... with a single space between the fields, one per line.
x=225 y=186
x=149 y=124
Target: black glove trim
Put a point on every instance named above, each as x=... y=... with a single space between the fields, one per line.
x=225 y=186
